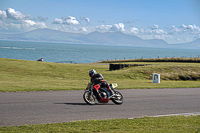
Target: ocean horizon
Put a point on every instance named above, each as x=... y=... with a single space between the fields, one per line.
x=83 y=53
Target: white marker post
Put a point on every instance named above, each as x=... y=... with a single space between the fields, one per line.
x=156 y=78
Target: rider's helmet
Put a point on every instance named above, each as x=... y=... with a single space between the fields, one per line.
x=92 y=72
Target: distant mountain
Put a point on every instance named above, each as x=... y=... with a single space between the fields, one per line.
x=43 y=35
x=95 y=38
x=190 y=45
x=194 y=44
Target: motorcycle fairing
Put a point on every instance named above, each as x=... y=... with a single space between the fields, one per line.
x=100 y=99
x=96 y=87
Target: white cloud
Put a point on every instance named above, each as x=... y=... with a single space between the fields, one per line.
x=158 y=31
x=29 y=22
x=190 y=29
x=25 y=25
x=118 y=27
x=154 y=27
x=111 y=28
x=2 y=14
x=183 y=26
x=84 y=29
x=193 y=29
x=58 y=21
x=73 y=29
x=87 y=20
x=172 y=34
x=134 y=30
x=40 y=25
x=33 y=25
x=66 y=20
x=71 y=20
x=153 y=31
x=15 y=21
x=12 y=14
x=184 y=33
x=103 y=28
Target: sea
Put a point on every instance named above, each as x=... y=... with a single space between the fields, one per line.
x=83 y=53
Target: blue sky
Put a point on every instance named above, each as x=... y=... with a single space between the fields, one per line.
x=175 y=21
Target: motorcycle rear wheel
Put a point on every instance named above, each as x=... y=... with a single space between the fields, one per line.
x=88 y=98
x=118 y=99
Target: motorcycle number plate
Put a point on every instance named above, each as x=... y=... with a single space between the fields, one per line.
x=114 y=85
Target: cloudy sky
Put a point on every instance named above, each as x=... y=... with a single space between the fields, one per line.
x=175 y=21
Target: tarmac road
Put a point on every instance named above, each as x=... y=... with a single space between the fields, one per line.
x=25 y=108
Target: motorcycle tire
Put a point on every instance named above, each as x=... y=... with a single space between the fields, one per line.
x=118 y=99
x=89 y=99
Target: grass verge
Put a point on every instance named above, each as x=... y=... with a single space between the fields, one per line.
x=22 y=75
x=168 y=124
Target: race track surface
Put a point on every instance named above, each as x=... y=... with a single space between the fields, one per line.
x=20 y=108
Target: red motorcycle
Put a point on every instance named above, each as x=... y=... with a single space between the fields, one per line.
x=102 y=95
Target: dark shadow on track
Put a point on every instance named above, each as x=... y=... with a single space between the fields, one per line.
x=72 y=103
x=85 y=103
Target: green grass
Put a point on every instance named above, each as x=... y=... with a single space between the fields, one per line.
x=23 y=75
x=169 y=124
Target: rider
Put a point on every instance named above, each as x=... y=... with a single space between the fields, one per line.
x=97 y=78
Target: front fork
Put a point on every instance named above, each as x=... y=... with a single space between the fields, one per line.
x=90 y=89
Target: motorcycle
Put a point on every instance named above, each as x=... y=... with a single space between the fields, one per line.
x=102 y=95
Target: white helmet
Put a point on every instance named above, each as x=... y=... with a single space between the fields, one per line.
x=92 y=72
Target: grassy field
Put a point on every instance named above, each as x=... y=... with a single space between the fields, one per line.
x=170 y=124
x=23 y=75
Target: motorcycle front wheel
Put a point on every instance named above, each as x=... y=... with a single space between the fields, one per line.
x=118 y=98
x=88 y=98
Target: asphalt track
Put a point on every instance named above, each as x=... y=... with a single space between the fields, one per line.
x=25 y=108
